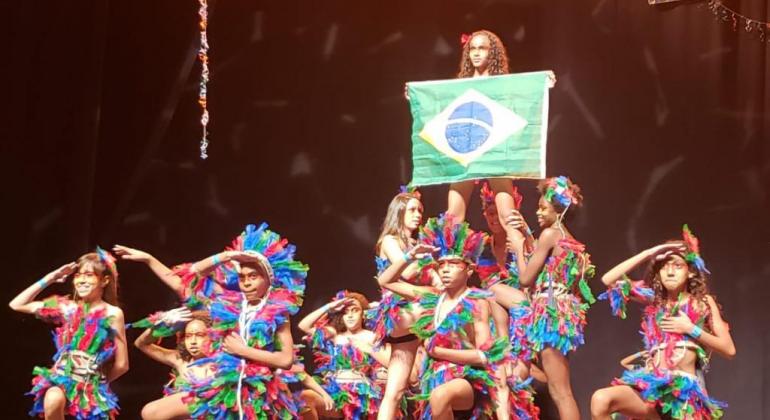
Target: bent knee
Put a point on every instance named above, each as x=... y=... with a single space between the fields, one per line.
x=600 y=402
x=150 y=411
x=559 y=392
x=438 y=401
x=54 y=399
x=393 y=394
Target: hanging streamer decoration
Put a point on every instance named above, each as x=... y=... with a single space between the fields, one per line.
x=752 y=26
x=203 y=57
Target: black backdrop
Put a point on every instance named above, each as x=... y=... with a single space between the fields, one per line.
x=660 y=113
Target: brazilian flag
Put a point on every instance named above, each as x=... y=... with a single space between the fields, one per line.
x=481 y=127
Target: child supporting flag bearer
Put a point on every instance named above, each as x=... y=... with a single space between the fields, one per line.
x=194 y=343
x=556 y=273
x=680 y=322
x=393 y=317
x=90 y=340
x=459 y=372
x=499 y=274
x=250 y=291
x=345 y=359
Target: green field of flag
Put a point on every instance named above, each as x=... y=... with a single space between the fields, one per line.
x=476 y=128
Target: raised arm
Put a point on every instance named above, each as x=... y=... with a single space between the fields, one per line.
x=25 y=301
x=307 y=323
x=282 y=358
x=659 y=251
x=165 y=274
x=393 y=252
x=632 y=360
x=390 y=278
x=146 y=344
x=120 y=364
x=146 y=341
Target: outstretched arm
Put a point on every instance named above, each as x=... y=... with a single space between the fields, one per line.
x=165 y=274
x=25 y=301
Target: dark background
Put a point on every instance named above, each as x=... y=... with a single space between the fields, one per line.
x=659 y=113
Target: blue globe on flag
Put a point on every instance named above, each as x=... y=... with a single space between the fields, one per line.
x=468 y=127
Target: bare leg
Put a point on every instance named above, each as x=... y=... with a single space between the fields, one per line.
x=456 y=394
x=620 y=399
x=458 y=199
x=538 y=374
x=166 y=408
x=500 y=317
x=400 y=366
x=507 y=296
x=54 y=402
x=503 y=394
x=505 y=204
x=556 y=368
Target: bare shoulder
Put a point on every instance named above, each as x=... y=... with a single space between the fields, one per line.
x=367 y=335
x=114 y=311
x=550 y=236
x=482 y=306
x=712 y=303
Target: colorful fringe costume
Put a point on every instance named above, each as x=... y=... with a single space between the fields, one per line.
x=450 y=332
x=560 y=299
x=490 y=272
x=241 y=388
x=355 y=399
x=161 y=329
x=521 y=399
x=518 y=315
x=383 y=318
x=672 y=392
x=85 y=341
x=450 y=329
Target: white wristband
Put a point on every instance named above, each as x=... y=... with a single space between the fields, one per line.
x=483 y=357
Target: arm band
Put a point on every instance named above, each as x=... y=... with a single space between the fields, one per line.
x=696 y=332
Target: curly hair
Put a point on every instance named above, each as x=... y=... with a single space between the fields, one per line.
x=498 y=57
x=202 y=316
x=335 y=319
x=696 y=285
